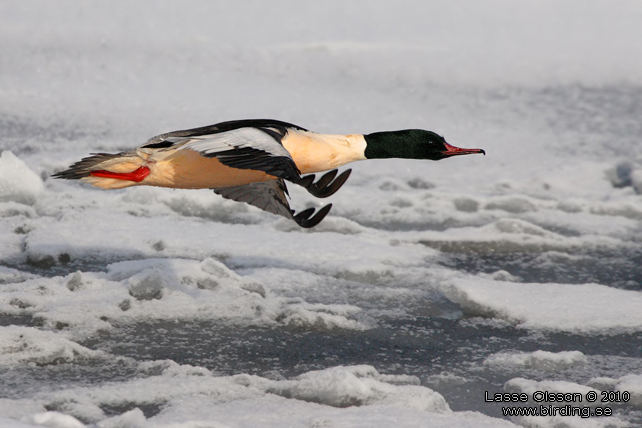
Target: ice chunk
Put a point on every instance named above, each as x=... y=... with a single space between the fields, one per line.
x=19 y=345
x=565 y=307
x=511 y=205
x=539 y=360
x=620 y=175
x=319 y=317
x=636 y=181
x=18 y=408
x=219 y=270
x=54 y=420
x=12 y=209
x=131 y=419
x=467 y=205
x=357 y=386
x=186 y=396
x=633 y=385
x=76 y=281
x=602 y=383
x=80 y=409
x=506 y=235
x=147 y=285
x=511 y=225
x=18 y=183
x=8 y=275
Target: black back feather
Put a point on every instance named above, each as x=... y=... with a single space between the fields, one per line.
x=275 y=128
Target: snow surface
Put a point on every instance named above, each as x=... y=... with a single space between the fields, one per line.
x=429 y=282
x=540 y=360
x=18 y=183
x=575 y=307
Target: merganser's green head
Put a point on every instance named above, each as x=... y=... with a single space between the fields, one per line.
x=411 y=144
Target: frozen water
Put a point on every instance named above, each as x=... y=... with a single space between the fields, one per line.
x=567 y=307
x=428 y=284
x=540 y=360
x=18 y=183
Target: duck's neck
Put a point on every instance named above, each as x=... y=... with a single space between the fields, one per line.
x=314 y=152
x=392 y=144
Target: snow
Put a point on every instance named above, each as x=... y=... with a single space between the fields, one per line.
x=565 y=307
x=427 y=284
x=55 y=420
x=540 y=360
x=12 y=423
x=359 y=385
x=633 y=385
x=25 y=345
x=227 y=401
x=17 y=182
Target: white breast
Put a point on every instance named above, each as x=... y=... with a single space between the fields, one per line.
x=314 y=152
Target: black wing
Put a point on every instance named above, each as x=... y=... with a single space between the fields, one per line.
x=243 y=144
x=277 y=126
x=271 y=196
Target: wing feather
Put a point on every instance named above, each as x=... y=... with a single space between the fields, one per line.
x=243 y=148
x=277 y=128
x=270 y=196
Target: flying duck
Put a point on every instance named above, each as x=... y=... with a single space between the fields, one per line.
x=249 y=161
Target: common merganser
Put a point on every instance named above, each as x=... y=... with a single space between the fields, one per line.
x=249 y=161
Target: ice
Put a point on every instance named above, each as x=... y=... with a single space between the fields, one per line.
x=25 y=345
x=225 y=400
x=8 y=275
x=581 y=308
x=358 y=386
x=602 y=383
x=164 y=289
x=271 y=411
x=427 y=284
x=54 y=420
x=13 y=410
x=17 y=182
x=636 y=181
x=12 y=423
x=539 y=360
x=133 y=418
x=633 y=385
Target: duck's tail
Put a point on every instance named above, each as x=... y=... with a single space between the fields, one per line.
x=95 y=169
